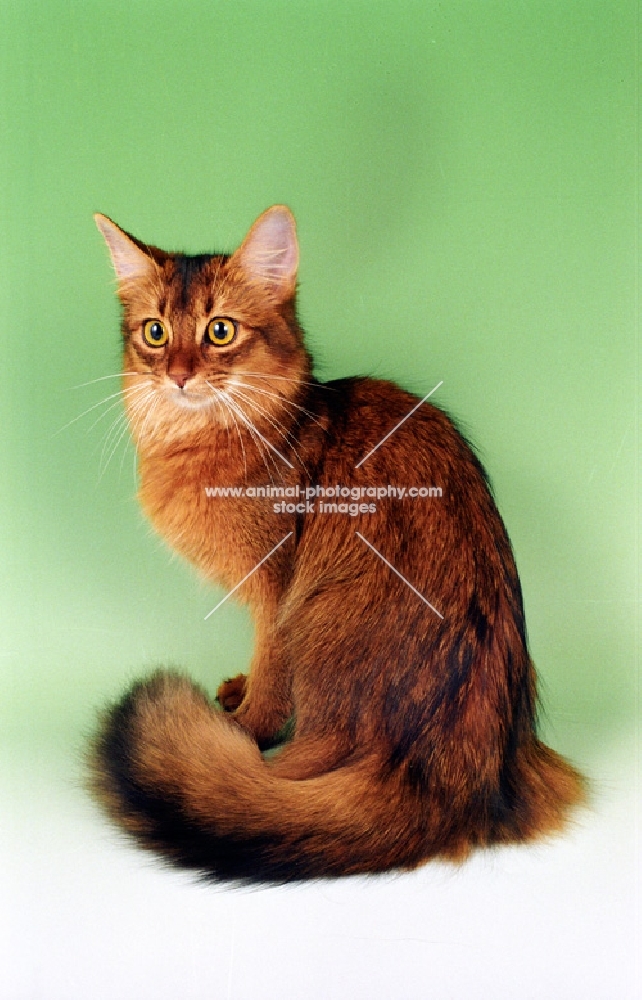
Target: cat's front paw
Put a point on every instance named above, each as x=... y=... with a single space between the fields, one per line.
x=231 y=692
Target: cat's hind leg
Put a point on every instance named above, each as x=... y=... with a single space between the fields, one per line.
x=267 y=697
x=308 y=757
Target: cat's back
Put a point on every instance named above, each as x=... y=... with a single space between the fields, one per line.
x=376 y=428
x=422 y=492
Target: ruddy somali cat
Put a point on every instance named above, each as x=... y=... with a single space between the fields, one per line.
x=394 y=640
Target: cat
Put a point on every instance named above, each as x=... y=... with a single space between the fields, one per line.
x=391 y=639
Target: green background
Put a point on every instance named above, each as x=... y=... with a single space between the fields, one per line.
x=463 y=176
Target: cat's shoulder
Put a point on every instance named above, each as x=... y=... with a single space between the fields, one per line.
x=373 y=395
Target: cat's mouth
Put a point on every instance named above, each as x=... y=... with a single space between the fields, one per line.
x=191 y=398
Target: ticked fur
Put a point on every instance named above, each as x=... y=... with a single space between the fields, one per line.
x=413 y=728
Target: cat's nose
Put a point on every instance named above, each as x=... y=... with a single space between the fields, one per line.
x=180 y=378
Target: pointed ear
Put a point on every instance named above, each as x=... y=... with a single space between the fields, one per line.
x=269 y=253
x=130 y=262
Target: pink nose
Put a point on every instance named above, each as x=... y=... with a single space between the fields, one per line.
x=180 y=378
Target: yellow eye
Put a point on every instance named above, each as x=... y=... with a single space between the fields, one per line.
x=220 y=331
x=154 y=333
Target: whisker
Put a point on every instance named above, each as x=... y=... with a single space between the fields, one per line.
x=154 y=404
x=227 y=423
x=249 y=424
x=123 y=457
x=283 y=378
x=152 y=433
x=103 y=377
x=142 y=393
x=135 y=408
x=235 y=390
x=255 y=435
x=114 y=395
x=118 y=439
x=85 y=412
x=129 y=392
x=219 y=409
x=118 y=429
x=280 y=429
x=265 y=455
x=114 y=429
x=150 y=411
x=219 y=398
x=283 y=399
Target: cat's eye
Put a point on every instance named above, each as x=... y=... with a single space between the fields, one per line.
x=154 y=333
x=220 y=331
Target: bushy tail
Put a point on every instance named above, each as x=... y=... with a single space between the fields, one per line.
x=538 y=790
x=186 y=782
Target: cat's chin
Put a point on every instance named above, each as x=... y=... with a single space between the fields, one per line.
x=192 y=400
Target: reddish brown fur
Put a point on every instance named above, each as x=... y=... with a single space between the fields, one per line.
x=414 y=735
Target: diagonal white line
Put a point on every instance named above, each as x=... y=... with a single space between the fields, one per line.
x=397 y=426
x=248 y=575
x=408 y=584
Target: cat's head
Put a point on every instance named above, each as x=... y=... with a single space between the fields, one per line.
x=211 y=338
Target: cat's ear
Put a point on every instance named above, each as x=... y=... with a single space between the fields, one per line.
x=131 y=263
x=269 y=253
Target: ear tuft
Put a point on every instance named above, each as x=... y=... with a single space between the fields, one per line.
x=130 y=262
x=269 y=253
